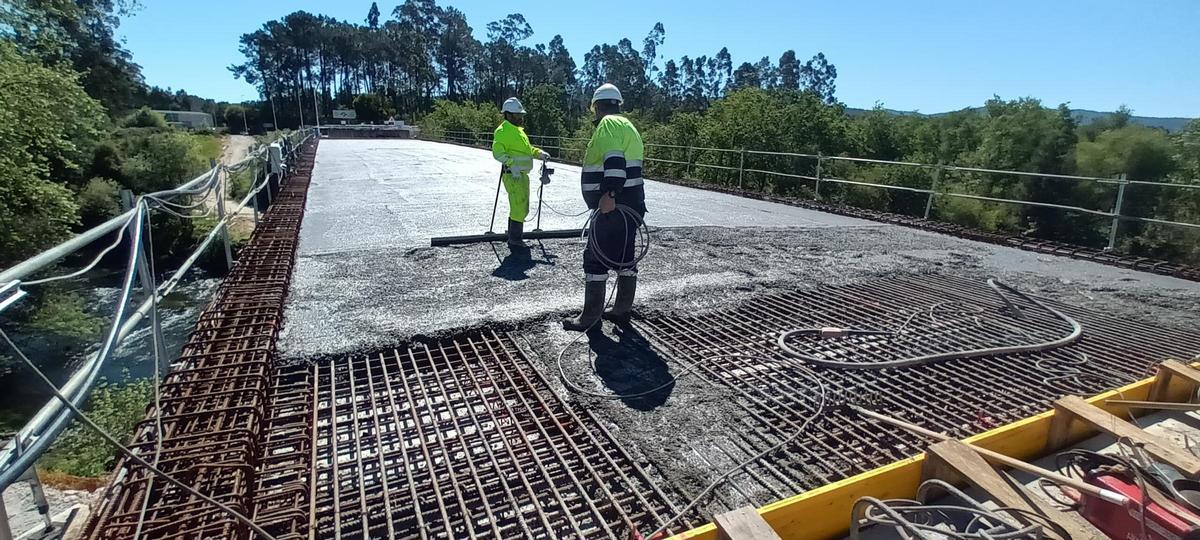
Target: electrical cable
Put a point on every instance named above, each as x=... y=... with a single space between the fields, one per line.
x=124 y=450
x=91 y=265
x=800 y=430
x=1076 y=332
x=159 y=350
x=894 y=512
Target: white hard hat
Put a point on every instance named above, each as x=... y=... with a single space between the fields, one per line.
x=513 y=105
x=607 y=91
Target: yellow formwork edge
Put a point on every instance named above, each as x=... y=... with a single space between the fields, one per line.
x=825 y=512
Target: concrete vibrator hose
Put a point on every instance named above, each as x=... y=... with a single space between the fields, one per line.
x=1073 y=336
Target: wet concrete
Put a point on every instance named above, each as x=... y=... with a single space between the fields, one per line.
x=366 y=277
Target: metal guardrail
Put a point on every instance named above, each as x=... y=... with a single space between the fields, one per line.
x=823 y=163
x=21 y=452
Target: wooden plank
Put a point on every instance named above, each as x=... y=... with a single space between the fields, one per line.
x=1074 y=407
x=1156 y=405
x=743 y=524
x=1166 y=372
x=953 y=461
x=824 y=512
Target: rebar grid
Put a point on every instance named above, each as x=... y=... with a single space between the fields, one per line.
x=960 y=397
x=459 y=438
x=214 y=397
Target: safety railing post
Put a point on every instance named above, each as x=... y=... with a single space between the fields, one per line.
x=39 y=496
x=144 y=252
x=254 y=199
x=820 y=163
x=1116 y=220
x=741 y=167
x=221 y=214
x=933 y=187
x=687 y=173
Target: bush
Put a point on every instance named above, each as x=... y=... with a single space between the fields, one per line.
x=117 y=408
x=145 y=118
x=161 y=160
x=99 y=201
x=450 y=116
x=107 y=161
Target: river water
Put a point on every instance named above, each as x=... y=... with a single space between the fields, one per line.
x=22 y=394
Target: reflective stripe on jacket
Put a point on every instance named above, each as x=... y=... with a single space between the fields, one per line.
x=613 y=164
x=511 y=147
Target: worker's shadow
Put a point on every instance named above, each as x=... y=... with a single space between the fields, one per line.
x=515 y=263
x=628 y=365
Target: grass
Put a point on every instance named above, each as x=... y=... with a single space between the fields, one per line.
x=208 y=146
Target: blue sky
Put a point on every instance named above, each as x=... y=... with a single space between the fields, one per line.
x=930 y=56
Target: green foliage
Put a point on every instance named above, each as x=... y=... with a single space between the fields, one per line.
x=99 y=201
x=145 y=118
x=240 y=183
x=545 y=104
x=107 y=161
x=117 y=408
x=65 y=315
x=79 y=35
x=372 y=108
x=47 y=128
x=236 y=118
x=450 y=116
x=160 y=160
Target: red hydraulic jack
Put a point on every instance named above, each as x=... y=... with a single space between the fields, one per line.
x=491 y=236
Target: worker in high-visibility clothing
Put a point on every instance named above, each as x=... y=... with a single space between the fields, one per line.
x=511 y=147
x=612 y=175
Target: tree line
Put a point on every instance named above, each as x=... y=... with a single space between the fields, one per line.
x=423 y=52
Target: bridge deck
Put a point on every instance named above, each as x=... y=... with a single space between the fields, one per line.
x=375 y=420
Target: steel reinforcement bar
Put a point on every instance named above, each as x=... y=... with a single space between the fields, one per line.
x=456 y=438
x=958 y=397
x=214 y=399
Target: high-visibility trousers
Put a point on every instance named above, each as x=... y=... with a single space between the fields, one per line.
x=517 y=188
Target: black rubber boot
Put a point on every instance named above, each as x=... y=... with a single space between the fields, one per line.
x=622 y=309
x=593 y=308
x=516 y=229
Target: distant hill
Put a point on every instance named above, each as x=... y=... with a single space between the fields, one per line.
x=1083 y=116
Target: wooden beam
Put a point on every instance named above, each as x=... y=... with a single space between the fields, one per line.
x=956 y=462
x=743 y=524
x=1167 y=371
x=1071 y=408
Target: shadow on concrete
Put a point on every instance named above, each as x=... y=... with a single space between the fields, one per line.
x=628 y=365
x=515 y=263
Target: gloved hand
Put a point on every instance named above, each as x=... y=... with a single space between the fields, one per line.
x=542 y=155
x=607 y=203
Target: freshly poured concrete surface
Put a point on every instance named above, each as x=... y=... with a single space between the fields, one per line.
x=373 y=194
x=367 y=278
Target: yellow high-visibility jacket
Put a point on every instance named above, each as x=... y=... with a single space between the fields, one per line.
x=511 y=147
x=613 y=164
